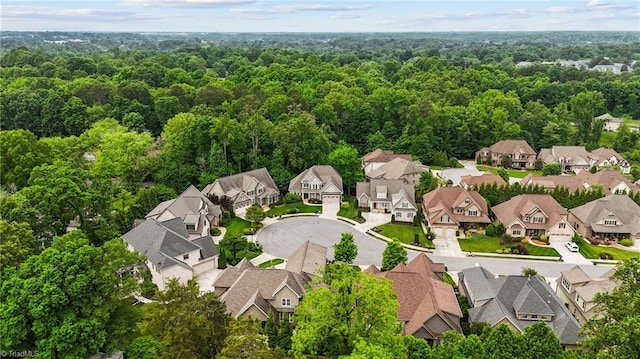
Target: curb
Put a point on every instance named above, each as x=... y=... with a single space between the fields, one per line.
x=407 y=246
x=513 y=256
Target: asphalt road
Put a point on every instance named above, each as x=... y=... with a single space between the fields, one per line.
x=283 y=237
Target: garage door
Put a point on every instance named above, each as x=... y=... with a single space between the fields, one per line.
x=331 y=198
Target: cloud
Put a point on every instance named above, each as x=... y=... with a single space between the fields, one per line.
x=563 y=9
x=289 y=9
x=26 y=12
x=185 y=3
x=597 y=4
x=346 y=15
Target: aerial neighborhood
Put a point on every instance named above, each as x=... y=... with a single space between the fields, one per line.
x=379 y=195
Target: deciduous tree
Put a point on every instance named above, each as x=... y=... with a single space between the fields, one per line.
x=393 y=255
x=346 y=250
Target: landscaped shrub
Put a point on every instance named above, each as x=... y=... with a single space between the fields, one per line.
x=393 y=218
x=507 y=250
x=499 y=251
x=292 y=198
x=215 y=231
x=249 y=231
x=315 y=201
x=604 y=255
x=490 y=231
x=292 y=210
x=222 y=260
x=544 y=238
x=522 y=249
x=595 y=241
x=506 y=239
x=627 y=242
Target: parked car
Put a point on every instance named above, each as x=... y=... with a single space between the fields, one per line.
x=573 y=247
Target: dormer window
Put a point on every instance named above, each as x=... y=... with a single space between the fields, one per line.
x=285 y=302
x=473 y=213
x=405 y=205
x=538 y=219
x=610 y=222
x=467 y=201
x=459 y=210
x=191 y=227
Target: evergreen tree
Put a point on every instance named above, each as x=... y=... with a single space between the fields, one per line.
x=284 y=335
x=271 y=331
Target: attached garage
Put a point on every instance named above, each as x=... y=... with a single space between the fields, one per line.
x=331 y=198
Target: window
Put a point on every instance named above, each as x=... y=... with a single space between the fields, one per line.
x=610 y=222
x=409 y=215
x=562 y=225
x=287 y=315
x=534 y=316
x=467 y=201
x=260 y=190
x=565 y=283
x=186 y=256
x=473 y=213
x=250 y=193
x=516 y=232
x=444 y=218
x=538 y=219
x=191 y=227
x=285 y=302
x=459 y=210
x=527 y=218
x=398 y=214
x=405 y=205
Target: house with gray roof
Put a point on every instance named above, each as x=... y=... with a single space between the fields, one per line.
x=517 y=301
x=170 y=252
x=320 y=182
x=570 y=158
x=388 y=196
x=519 y=152
x=577 y=290
x=374 y=159
x=610 y=123
x=613 y=217
x=245 y=189
x=251 y=292
x=399 y=169
x=196 y=210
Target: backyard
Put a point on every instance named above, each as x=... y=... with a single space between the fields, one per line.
x=405 y=233
x=511 y=172
x=484 y=244
x=292 y=208
x=592 y=251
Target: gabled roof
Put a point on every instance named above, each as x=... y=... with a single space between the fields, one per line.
x=189 y=202
x=325 y=173
x=609 y=179
x=524 y=294
x=575 y=275
x=577 y=154
x=242 y=182
x=511 y=146
x=620 y=205
x=397 y=168
x=422 y=295
x=443 y=199
x=389 y=187
x=380 y=155
x=485 y=178
x=603 y=153
x=607 y=117
x=518 y=206
x=308 y=258
x=162 y=242
x=572 y=183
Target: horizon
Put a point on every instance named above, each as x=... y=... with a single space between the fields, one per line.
x=321 y=16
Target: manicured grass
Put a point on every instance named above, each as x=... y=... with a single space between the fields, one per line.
x=236 y=227
x=271 y=263
x=483 y=244
x=348 y=208
x=405 y=233
x=591 y=251
x=286 y=208
x=511 y=172
x=447 y=279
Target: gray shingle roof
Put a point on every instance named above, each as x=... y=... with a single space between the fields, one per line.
x=308 y=258
x=189 y=202
x=234 y=184
x=390 y=187
x=397 y=168
x=621 y=205
x=524 y=294
x=327 y=174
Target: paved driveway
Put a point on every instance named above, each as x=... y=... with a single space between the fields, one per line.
x=285 y=236
x=446 y=242
x=567 y=256
x=330 y=209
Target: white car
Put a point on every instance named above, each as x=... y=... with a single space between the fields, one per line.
x=573 y=247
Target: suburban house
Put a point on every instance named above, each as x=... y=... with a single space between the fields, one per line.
x=533 y=215
x=519 y=151
x=373 y=160
x=196 y=210
x=399 y=169
x=319 y=182
x=388 y=196
x=611 y=181
x=610 y=123
x=245 y=189
x=612 y=217
x=570 y=158
x=427 y=305
x=606 y=157
x=454 y=207
x=170 y=252
x=309 y=258
x=517 y=301
x=252 y=292
x=470 y=182
x=577 y=290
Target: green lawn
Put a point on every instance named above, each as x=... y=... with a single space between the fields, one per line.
x=271 y=263
x=236 y=226
x=405 y=233
x=483 y=244
x=591 y=251
x=511 y=172
x=349 y=208
x=286 y=208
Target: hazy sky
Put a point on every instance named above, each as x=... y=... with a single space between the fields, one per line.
x=318 y=16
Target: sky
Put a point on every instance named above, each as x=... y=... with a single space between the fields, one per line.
x=318 y=16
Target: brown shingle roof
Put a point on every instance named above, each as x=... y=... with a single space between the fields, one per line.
x=308 y=258
x=443 y=199
x=621 y=205
x=397 y=168
x=327 y=174
x=380 y=155
x=609 y=179
x=510 y=146
x=485 y=178
x=507 y=212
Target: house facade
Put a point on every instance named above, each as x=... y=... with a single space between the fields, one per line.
x=245 y=189
x=610 y=123
x=613 y=217
x=388 y=196
x=373 y=160
x=577 y=290
x=570 y=158
x=169 y=251
x=399 y=169
x=534 y=215
x=517 y=301
x=607 y=157
x=319 y=182
x=453 y=207
x=195 y=209
x=427 y=305
x=518 y=151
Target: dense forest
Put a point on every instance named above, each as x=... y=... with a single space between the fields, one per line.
x=90 y=121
